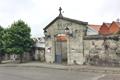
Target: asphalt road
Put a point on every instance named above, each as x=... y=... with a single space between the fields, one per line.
x=26 y=73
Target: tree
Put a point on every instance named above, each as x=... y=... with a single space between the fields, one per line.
x=7 y=41
x=1 y=43
x=17 y=39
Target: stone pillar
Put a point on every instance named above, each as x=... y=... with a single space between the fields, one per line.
x=75 y=50
x=69 y=55
x=36 y=54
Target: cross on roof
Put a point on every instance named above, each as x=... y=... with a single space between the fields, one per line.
x=60 y=10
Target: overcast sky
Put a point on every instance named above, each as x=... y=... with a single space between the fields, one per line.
x=38 y=13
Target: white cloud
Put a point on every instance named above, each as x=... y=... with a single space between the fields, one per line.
x=38 y=13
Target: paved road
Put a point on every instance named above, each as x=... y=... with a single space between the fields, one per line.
x=24 y=73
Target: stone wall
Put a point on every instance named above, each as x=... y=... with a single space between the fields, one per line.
x=75 y=50
x=39 y=55
x=103 y=51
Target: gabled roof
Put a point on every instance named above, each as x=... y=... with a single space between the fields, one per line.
x=67 y=19
x=118 y=23
x=107 y=24
x=104 y=29
x=95 y=27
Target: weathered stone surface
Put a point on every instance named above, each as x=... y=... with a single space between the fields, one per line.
x=102 y=52
x=74 y=41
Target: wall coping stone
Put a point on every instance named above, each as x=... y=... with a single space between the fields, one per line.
x=101 y=37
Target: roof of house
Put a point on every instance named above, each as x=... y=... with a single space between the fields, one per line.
x=114 y=22
x=118 y=23
x=67 y=19
x=95 y=27
x=107 y=24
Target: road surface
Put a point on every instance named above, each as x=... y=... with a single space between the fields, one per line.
x=28 y=73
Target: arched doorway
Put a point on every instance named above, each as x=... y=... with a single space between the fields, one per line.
x=61 y=49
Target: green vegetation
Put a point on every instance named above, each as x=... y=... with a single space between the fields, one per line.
x=1 y=43
x=16 y=39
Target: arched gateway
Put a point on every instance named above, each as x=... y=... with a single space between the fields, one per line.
x=62 y=46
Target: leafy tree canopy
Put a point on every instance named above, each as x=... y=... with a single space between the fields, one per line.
x=17 y=38
x=1 y=39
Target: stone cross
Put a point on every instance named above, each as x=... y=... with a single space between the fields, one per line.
x=60 y=10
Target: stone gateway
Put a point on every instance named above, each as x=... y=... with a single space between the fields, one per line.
x=64 y=40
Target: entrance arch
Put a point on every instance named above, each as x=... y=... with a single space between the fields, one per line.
x=61 y=49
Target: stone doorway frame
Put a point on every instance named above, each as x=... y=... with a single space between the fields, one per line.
x=59 y=40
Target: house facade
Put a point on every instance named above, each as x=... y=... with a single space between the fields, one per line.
x=39 y=49
x=114 y=27
x=64 y=40
x=93 y=29
x=109 y=28
x=104 y=29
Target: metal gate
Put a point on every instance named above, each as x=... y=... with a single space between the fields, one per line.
x=61 y=52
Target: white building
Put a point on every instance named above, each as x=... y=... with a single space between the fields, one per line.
x=93 y=29
x=39 y=47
